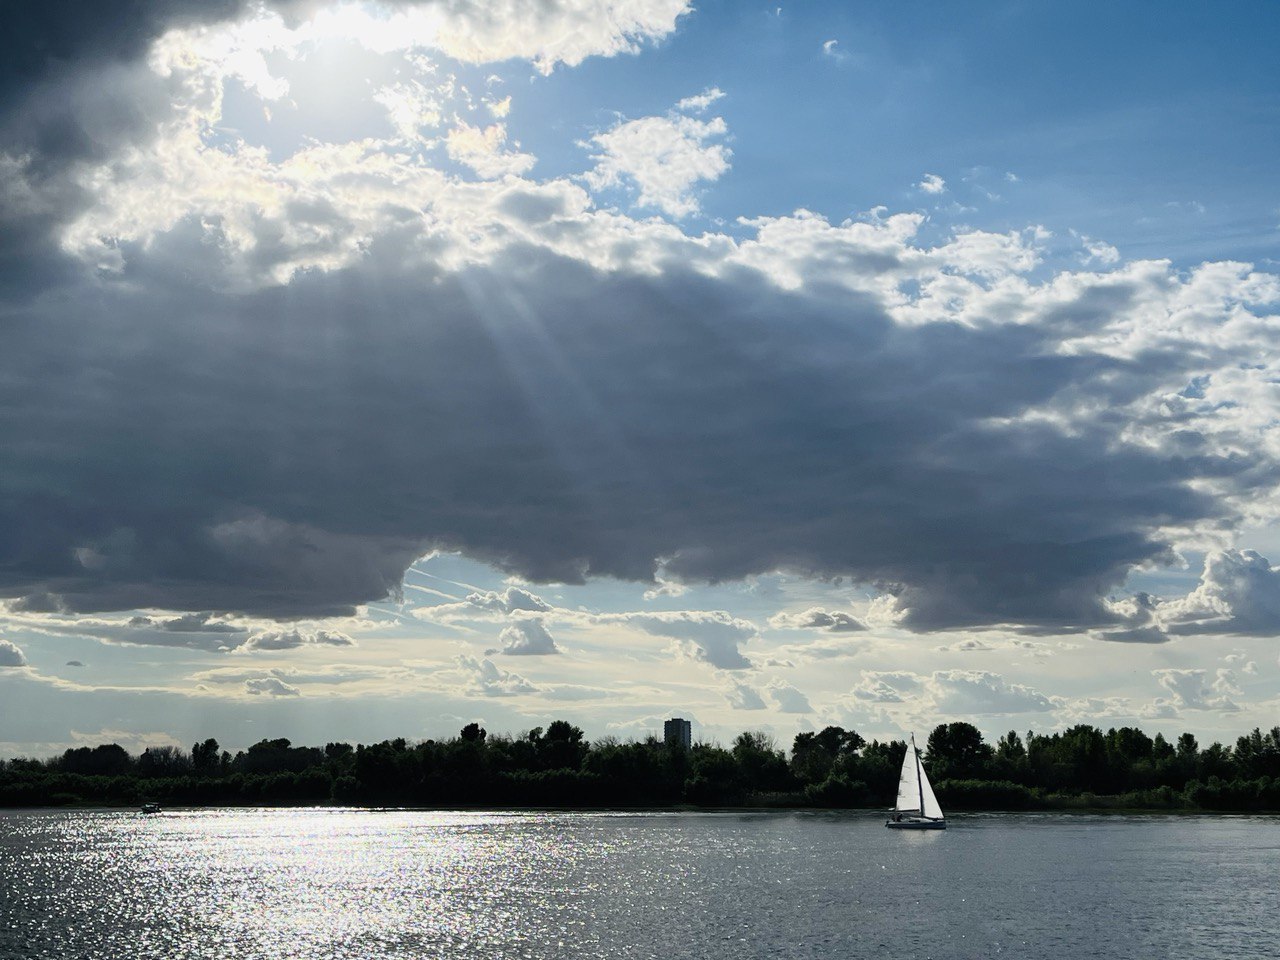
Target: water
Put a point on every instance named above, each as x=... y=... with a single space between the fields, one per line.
x=318 y=884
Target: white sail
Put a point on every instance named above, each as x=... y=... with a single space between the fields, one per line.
x=931 y=808
x=917 y=807
x=909 y=784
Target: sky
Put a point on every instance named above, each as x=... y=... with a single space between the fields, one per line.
x=370 y=369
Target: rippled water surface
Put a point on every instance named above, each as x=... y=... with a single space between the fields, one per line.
x=365 y=884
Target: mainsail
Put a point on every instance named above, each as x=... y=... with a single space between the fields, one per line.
x=909 y=783
x=915 y=794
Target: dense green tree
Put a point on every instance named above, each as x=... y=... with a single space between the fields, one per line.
x=956 y=751
x=205 y=758
x=762 y=765
x=815 y=756
x=108 y=759
x=880 y=766
x=1215 y=760
x=562 y=747
x=1011 y=758
x=830 y=767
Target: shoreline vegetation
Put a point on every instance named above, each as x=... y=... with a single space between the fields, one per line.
x=1080 y=769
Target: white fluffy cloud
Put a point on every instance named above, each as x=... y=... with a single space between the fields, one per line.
x=484 y=678
x=527 y=637
x=1192 y=690
x=270 y=687
x=815 y=618
x=11 y=654
x=932 y=183
x=564 y=31
x=1238 y=593
x=661 y=157
x=886 y=687
x=955 y=693
x=700 y=102
x=486 y=604
x=976 y=692
x=484 y=151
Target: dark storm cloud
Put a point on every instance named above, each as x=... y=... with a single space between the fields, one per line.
x=290 y=451
x=167 y=444
x=72 y=84
x=72 y=90
x=51 y=35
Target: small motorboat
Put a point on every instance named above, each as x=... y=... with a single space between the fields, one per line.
x=150 y=807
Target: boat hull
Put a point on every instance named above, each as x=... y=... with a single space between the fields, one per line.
x=916 y=824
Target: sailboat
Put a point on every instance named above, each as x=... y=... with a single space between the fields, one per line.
x=917 y=808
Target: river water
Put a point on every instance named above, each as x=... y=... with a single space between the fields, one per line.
x=324 y=883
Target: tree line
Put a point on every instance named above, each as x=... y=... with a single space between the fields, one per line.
x=1081 y=767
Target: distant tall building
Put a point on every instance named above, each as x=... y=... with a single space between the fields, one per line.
x=677 y=732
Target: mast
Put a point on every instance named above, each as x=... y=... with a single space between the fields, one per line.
x=919 y=774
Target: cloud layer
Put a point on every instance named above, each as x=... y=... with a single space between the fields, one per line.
x=267 y=385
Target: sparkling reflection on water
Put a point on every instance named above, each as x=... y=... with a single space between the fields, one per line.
x=323 y=883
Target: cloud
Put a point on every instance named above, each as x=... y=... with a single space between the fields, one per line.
x=187 y=623
x=710 y=636
x=788 y=699
x=953 y=692
x=1135 y=635
x=270 y=687
x=1241 y=660
x=484 y=678
x=743 y=697
x=970 y=692
x=815 y=618
x=742 y=406
x=11 y=655
x=886 y=687
x=293 y=639
x=574 y=693
x=1069 y=505
x=1191 y=690
x=1238 y=593
x=700 y=102
x=486 y=605
x=830 y=48
x=932 y=183
x=482 y=151
x=329 y=675
x=565 y=31
x=1098 y=251
x=527 y=637
x=969 y=645
x=662 y=158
